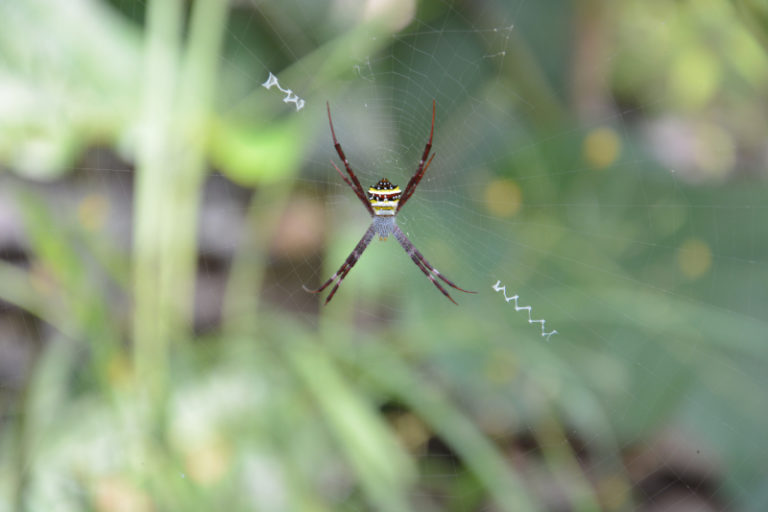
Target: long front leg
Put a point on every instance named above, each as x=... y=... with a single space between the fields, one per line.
x=355 y=183
x=410 y=188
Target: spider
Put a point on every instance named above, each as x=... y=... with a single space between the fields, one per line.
x=384 y=201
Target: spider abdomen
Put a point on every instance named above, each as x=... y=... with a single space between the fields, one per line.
x=384 y=225
x=384 y=197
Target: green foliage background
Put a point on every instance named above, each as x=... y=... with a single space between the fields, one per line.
x=128 y=409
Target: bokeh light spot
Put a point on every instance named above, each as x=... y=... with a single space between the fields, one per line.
x=92 y=211
x=503 y=197
x=119 y=371
x=613 y=492
x=716 y=153
x=694 y=257
x=300 y=230
x=602 y=147
x=395 y=14
x=208 y=464
x=694 y=78
x=115 y=494
x=411 y=431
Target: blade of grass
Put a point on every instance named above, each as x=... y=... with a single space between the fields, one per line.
x=481 y=457
x=383 y=468
x=69 y=283
x=18 y=289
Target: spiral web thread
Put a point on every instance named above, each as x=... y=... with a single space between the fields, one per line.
x=497 y=287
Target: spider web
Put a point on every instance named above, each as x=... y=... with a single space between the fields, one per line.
x=632 y=229
x=617 y=230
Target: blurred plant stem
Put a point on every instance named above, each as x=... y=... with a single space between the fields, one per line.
x=176 y=99
x=250 y=262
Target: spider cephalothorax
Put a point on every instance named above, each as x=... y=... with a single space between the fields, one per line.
x=383 y=201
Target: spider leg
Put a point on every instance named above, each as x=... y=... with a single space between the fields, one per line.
x=346 y=266
x=358 y=188
x=423 y=264
x=346 y=180
x=438 y=274
x=410 y=188
x=416 y=259
x=418 y=180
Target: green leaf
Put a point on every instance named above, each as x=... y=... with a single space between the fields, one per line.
x=253 y=155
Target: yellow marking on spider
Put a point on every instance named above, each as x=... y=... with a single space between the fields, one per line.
x=384 y=192
x=384 y=208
